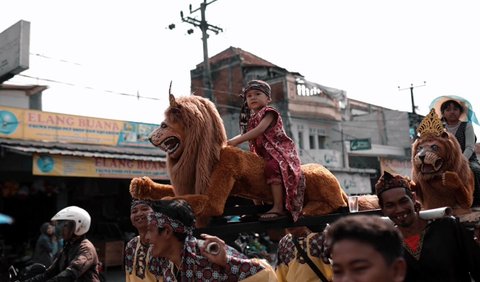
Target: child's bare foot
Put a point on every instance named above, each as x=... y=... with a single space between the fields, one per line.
x=273 y=215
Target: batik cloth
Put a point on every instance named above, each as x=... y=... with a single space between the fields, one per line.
x=291 y=266
x=196 y=267
x=136 y=202
x=139 y=264
x=274 y=144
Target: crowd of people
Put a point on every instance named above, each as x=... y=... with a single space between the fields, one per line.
x=353 y=248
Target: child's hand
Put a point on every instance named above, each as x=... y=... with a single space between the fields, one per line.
x=231 y=142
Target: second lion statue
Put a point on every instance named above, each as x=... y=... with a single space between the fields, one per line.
x=205 y=172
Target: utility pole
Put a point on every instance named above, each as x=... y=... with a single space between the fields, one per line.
x=415 y=118
x=411 y=94
x=204 y=27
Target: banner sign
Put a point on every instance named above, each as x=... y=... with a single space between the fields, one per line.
x=59 y=165
x=45 y=126
x=360 y=144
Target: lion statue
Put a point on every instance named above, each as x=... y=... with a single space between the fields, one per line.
x=440 y=171
x=205 y=172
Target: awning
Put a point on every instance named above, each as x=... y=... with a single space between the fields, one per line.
x=82 y=150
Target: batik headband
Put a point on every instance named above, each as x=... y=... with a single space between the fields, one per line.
x=389 y=181
x=161 y=220
x=136 y=202
x=259 y=85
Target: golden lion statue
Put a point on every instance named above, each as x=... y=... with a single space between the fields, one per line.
x=205 y=172
x=441 y=174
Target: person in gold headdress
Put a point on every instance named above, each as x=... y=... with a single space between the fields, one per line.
x=458 y=119
x=436 y=250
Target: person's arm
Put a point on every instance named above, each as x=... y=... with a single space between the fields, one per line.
x=236 y=267
x=81 y=263
x=55 y=245
x=469 y=141
x=255 y=132
x=128 y=248
x=52 y=270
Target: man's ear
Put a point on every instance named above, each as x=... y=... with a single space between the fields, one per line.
x=399 y=269
x=168 y=230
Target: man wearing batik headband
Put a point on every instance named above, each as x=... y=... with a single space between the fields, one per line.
x=438 y=250
x=140 y=265
x=184 y=258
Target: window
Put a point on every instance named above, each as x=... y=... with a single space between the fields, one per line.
x=311 y=140
x=300 y=140
x=321 y=142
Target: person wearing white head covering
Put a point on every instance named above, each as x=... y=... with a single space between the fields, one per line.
x=458 y=118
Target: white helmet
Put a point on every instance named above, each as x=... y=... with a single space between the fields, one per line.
x=78 y=215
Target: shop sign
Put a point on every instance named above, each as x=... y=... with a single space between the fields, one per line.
x=58 y=165
x=53 y=127
x=360 y=144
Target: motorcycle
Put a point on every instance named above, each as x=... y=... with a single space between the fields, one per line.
x=16 y=275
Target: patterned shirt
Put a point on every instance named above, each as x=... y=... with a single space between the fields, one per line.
x=275 y=142
x=139 y=264
x=195 y=267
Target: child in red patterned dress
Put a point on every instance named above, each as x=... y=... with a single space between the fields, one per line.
x=262 y=126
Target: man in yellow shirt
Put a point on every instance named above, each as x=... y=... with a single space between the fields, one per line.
x=292 y=265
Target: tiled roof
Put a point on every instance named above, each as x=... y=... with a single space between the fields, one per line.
x=29 y=89
x=83 y=150
x=248 y=59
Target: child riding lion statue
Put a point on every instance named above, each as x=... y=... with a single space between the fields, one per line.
x=204 y=171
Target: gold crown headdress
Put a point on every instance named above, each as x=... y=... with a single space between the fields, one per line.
x=431 y=124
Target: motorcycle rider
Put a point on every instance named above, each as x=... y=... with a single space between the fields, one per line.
x=78 y=259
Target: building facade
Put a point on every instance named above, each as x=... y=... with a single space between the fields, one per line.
x=51 y=160
x=321 y=120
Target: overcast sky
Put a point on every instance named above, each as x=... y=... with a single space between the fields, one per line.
x=95 y=56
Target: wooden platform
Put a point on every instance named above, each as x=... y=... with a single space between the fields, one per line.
x=222 y=227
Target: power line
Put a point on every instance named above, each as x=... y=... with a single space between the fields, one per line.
x=55 y=59
x=137 y=95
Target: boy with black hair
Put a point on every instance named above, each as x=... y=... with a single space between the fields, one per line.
x=184 y=258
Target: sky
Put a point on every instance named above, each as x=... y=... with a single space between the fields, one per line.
x=97 y=56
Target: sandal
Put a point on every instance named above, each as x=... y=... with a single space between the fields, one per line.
x=272 y=216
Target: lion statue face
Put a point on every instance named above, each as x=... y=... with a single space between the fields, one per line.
x=192 y=134
x=433 y=155
x=169 y=136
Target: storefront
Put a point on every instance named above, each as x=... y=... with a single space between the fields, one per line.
x=49 y=161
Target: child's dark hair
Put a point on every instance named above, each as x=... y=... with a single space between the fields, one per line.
x=447 y=103
x=383 y=236
x=255 y=84
x=176 y=209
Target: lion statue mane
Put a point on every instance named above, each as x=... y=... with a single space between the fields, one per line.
x=441 y=173
x=205 y=172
